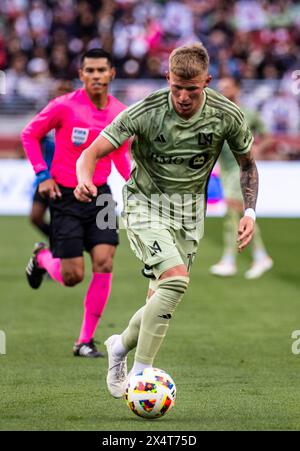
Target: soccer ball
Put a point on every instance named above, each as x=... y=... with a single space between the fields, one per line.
x=151 y=393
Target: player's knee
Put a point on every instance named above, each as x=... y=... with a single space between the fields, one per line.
x=104 y=265
x=72 y=278
x=177 y=284
x=35 y=219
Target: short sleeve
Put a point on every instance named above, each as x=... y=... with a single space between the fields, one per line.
x=120 y=129
x=239 y=137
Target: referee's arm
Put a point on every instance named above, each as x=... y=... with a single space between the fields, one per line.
x=85 y=168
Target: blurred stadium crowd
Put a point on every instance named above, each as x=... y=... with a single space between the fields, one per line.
x=40 y=43
x=253 y=39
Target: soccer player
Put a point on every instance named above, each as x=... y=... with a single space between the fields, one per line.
x=179 y=133
x=40 y=204
x=77 y=119
x=261 y=262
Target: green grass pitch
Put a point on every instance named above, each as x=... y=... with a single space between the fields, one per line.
x=228 y=347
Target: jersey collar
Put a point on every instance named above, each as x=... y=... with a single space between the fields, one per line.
x=195 y=117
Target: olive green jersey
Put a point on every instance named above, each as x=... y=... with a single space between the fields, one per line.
x=174 y=156
x=227 y=160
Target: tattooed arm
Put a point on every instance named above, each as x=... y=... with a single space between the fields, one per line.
x=249 y=179
x=249 y=187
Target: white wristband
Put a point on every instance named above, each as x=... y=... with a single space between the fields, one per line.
x=251 y=213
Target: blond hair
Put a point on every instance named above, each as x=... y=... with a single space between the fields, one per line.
x=189 y=61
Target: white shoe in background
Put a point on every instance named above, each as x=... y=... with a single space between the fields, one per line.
x=259 y=267
x=223 y=269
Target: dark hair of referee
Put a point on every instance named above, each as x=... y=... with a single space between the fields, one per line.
x=95 y=54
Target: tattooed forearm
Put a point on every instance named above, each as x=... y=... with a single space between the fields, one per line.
x=249 y=180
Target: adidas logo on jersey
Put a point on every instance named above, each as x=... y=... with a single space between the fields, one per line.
x=160 y=138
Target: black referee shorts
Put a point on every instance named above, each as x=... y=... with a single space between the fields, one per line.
x=78 y=226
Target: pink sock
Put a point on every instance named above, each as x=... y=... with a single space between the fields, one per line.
x=51 y=265
x=94 y=303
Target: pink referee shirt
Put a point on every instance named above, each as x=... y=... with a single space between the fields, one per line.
x=77 y=123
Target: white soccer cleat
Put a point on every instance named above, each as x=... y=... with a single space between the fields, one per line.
x=223 y=269
x=259 y=268
x=117 y=370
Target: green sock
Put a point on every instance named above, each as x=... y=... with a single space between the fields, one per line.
x=131 y=333
x=258 y=247
x=156 y=317
x=230 y=228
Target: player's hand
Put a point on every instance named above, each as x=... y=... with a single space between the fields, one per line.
x=49 y=188
x=245 y=232
x=85 y=191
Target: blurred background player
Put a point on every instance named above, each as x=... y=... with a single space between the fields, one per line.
x=40 y=204
x=230 y=177
x=77 y=119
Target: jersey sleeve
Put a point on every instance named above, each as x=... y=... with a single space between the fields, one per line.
x=49 y=118
x=239 y=136
x=120 y=129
